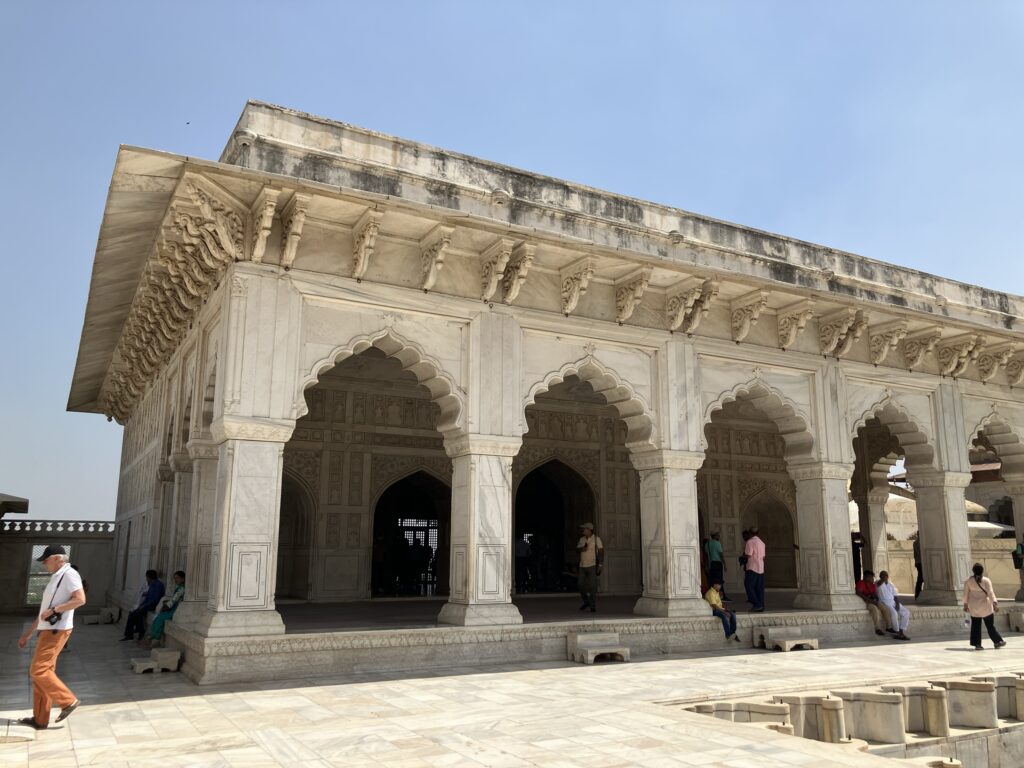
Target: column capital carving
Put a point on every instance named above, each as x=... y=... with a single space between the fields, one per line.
x=252 y=428
x=936 y=478
x=488 y=445
x=575 y=278
x=1014 y=489
x=293 y=217
x=655 y=459
x=745 y=311
x=628 y=292
x=180 y=461
x=202 y=449
x=688 y=302
x=821 y=470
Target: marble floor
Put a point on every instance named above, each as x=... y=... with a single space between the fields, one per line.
x=551 y=714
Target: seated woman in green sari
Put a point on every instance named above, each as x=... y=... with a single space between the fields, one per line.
x=167 y=609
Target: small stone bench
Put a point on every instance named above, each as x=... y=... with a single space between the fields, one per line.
x=105 y=616
x=586 y=648
x=160 y=660
x=782 y=639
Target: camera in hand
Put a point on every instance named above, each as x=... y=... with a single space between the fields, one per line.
x=54 y=617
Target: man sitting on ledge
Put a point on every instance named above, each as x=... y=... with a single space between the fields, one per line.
x=899 y=616
x=136 y=622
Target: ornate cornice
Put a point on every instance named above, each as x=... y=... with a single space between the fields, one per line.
x=575 y=278
x=364 y=239
x=433 y=248
x=885 y=337
x=487 y=445
x=251 y=428
x=628 y=292
x=293 y=217
x=688 y=302
x=955 y=354
x=918 y=344
x=202 y=449
x=1015 y=371
x=745 y=311
x=494 y=259
x=837 y=331
x=261 y=219
x=792 y=320
x=516 y=270
x=991 y=359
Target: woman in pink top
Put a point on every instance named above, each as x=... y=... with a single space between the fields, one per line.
x=980 y=601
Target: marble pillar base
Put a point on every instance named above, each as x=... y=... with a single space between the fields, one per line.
x=239 y=623
x=827 y=602
x=479 y=614
x=670 y=607
x=939 y=597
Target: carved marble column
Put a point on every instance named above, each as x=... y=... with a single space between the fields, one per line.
x=198 y=509
x=481 y=543
x=181 y=465
x=871 y=510
x=942 y=529
x=826 y=553
x=1015 y=490
x=243 y=559
x=669 y=533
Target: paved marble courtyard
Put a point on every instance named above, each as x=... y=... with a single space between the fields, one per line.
x=552 y=714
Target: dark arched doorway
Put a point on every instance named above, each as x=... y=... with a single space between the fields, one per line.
x=411 y=535
x=293 y=543
x=774 y=525
x=552 y=501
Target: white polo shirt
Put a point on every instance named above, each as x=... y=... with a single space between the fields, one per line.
x=69 y=581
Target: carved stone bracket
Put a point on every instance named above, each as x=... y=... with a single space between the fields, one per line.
x=433 y=248
x=515 y=271
x=958 y=352
x=885 y=337
x=838 y=330
x=364 y=238
x=575 y=278
x=918 y=344
x=261 y=219
x=745 y=311
x=688 y=303
x=993 y=358
x=1015 y=371
x=792 y=320
x=293 y=217
x=495 y=259
x=628 y=292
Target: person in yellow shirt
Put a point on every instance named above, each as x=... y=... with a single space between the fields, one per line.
x=714 y=599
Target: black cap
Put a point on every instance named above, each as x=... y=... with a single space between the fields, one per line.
x=53 y=549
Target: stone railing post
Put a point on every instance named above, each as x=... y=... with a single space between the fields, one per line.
x=942 y=530
x=669 y=533
x=481 y=539
x=826 y=552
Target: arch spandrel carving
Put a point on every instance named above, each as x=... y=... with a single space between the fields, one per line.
x=426 y=370
x=616 y=392
x=998 y=431
x=907 y=427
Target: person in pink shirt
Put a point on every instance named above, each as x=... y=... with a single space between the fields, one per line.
x=754 y=577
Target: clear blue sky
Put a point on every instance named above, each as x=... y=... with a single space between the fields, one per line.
x=891 y=129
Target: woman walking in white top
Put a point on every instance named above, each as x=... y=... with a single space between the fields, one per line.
x=980 y=601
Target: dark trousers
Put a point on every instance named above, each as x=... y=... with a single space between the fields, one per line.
x=920 y=580
x=728 y=621
x=135 y=624
x=587 y=581
x=754 y=583
x=993 y=633
x=716 y=572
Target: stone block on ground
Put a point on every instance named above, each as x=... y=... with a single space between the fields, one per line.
x=1016 y=619
x=782 y=639
x=587 y=647
x=109 y=615
x=160 y=660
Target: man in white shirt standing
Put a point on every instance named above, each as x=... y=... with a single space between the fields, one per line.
x=63 y=594
x=888 y=598
x=591 y=551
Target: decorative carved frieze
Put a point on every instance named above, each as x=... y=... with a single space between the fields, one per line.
x=575 y=278
x=745 y=311
x=885 y=337
x=628 y=292
x=955 y=354
x=918 y=344
x=305 y=464
x=516 y=270
x=838 y=330
x=495 y=259
x=991 y=359
x=792 y=320
x=293 y=217
x=688 y=302
x=261 y=219
x=364 y=238
x=433 y=248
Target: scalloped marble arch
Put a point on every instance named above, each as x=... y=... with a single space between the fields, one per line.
x=1005 y=440
x=619 y=394
x=792 y=422
x=913 y=436
x=427 y=370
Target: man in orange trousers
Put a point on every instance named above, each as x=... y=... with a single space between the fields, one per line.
x=63 y=594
